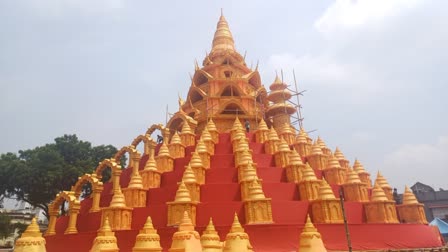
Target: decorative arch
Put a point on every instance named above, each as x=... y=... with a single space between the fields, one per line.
x=74 y=206
x=97 y=188
x=254 y=79
x=176 y=122
x=232 y=108
x=149 y=143
x=228 y=89
x=201 y=77
x=196 y=94
x=164 y=130
x=116 y=172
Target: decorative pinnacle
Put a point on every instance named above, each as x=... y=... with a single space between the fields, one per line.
x=182 y=194
x=283 y=146
x=308 y=173
x=151 y=163
x=236 y=226
x=188 y=176
x=164 y=151
x=409 y=197
x=176 y=139
x=148 y=228
x=211 y=125
x=210 y=229
x=262 y=125
x=378 y=193
x=316 y=150
x=353 y=177
x=325 y=191
x=381 y=180
x=105 y=229
x=237 y=124
x=333 y=162
x=32 y=230
x=185 y=223
x=294 y=158
x=255 y=190
x=309 y=227
x=118 y=199
x=186 y=129
x=358 y=167
x=338 y=154
x=273 y=135
x=200 y=146
x=223 y=39
x=196 y=160
x=206 y=136
x=301 y=138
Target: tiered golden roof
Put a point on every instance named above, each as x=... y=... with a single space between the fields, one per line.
x=325 y=191
x=308 y=173
x=182 y=193
x=409 y=197
x=378 y=194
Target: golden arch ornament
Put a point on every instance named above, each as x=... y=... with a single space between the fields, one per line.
x=97 y=188
x=74 y=206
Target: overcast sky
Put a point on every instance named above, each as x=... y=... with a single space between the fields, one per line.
x=375 y=71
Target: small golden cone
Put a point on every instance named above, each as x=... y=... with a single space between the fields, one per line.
x=325 y=191
x=310 y=238
x=31 y=239
x=378 y=193
x=409 y=197
x=147 y=240
x=182 y=193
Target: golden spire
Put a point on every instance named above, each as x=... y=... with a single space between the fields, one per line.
x=262 y=125
x=333 y=162
x=236 y=225
x=200 y=146
x=147 y=239
x=236 y=124
x=210 y=239
x=316 y=150
x=188 y=176
x=32 y=230
x=308 y=173
x=186 y=129
x=31 y=239
x=310 y=238
x=358 y=167
x=151 y=163
x=206 y=135
x=301 y=138
x=283 y=146
x=255 y=191
x=223 y=40
x=338 y=154
x=273 y=135
x=118 y=199
x=381 y=180
x=309 y=227
x=163 y=151
x=105 y=229
x=196 y=160
x=378 y=193
x=409 y=197
x=175 y=139
x=325 y=191
x=352 y=177
x=211 y=126
x=182 y=194
x=294 y=158
x=186 y=224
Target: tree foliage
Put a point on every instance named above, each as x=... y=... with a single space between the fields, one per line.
x=6 y=229
x=37 y=175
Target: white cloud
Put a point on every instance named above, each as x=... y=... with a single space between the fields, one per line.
x=426 y=163
x=353 y=14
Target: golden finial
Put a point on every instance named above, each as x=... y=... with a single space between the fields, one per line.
x=211 y=125
x=338 y=154
x=105 y=229
x=32 y=230
x=353 y=177
x=182 y=194
x=309 y=226
x=381 y=180
x=186 y=128
x=273 y=135
x=378 y=193
x=147 y=239
x=175 y=139
x=188 y=176
x=200 y=147
x=308 y=173
x=358 y=167
x=409 y=197
x=196 y=160
x=325 y=191
x=151 y=163
x=255 y=190
x=333 y=162
x=206 y=136
x=31 y=239
x=249 y=172
x=148 y=227
x=186 y=224
x=236 y=225
x=118 y=199
x=262 y=125
x=237 y=124
x=294 y=158
x=316 y=150
x=223 y=40
x=164 y=151
x=283 y=146
x=301 y=138
x=210 y=239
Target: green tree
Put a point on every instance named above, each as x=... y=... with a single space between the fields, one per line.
x=37 y=175
x=6 y=228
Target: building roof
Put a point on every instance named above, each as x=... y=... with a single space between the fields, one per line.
x=443 y=226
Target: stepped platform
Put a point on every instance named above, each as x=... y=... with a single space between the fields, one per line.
x=221 y=198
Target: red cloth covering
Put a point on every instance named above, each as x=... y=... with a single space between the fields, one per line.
x=221 y=198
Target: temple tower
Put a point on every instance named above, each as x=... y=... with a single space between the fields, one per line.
x=280 y=110
x=411 y=211
x=223 y=88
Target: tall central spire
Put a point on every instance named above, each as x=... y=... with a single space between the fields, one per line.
x=223 y=39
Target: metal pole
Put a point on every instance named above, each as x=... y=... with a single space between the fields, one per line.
x=347 y=233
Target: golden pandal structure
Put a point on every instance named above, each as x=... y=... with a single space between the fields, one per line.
x=301 y=144
x=384 y=185
x=317 y=159
x=362 y=173
x=210 y=239
x=164 y=161
x=118 y=214
x=237 y=239
x=334 y=173
x=186 y=239
x=327 y=208
x=309 y=184
x=410 y=211
x=147 y=239
x=257 y=207
x=294 y=167
x=105 y=240
x=310 y=238
x=150 y=174
x=211 y=127
x=270 y=175
x=262 y=133
x=282 y=153
x=31 y=240
x=175 y=147
x=341 y=158
x=380 y=209
x=182 y=203
x=354 y=189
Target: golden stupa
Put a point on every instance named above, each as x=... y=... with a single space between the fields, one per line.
x=208 y=166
